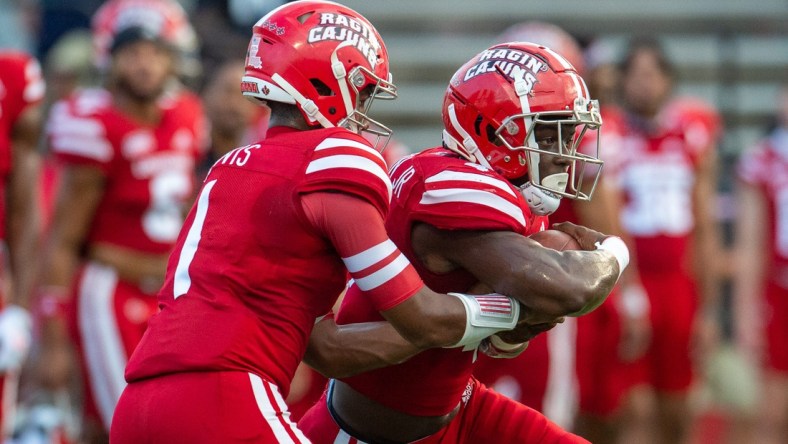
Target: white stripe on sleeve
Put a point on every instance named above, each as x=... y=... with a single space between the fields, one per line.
x=350 y=161
x=334 y=142
x=444 y=176
x=479 y=197
x=369 y=257
x=383 y=275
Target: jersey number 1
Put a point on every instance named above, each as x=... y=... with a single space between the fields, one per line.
x=182 y=279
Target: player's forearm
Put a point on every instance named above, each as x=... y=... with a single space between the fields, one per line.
x=339 y=351
x=24 y=221
x=572 y=283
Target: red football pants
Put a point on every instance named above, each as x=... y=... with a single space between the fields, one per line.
x=486 y=417
x=203 y=408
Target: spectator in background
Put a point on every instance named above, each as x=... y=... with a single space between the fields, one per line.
x=664 y=170
x=761 y=275
x=230 y=114
x=602 y=72
x=128 y=153
x=21 y=94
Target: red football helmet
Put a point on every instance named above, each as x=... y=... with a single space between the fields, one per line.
x=164 y=19
x=495 y=101
x=324 y=58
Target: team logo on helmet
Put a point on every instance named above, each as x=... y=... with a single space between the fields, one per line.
x=252 y=54
x=512 y=63
x=279 y=30
x=342 y=28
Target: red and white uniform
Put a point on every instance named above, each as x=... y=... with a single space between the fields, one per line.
x=21 y=86
x=560 y=370
x=439 y=188
x=260 y=257
x=766 y=167
x=149 y=174
x=655 y=169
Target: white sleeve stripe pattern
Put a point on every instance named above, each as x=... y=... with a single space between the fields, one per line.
x=369 y=257
x=96 y=149
x=479 y=197
x=72 y=126
x=345 y=143
x=444 y=176
x=385 y=274
x=351 y=161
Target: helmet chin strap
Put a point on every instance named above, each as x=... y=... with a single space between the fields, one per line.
x=340 y=74
x=521 y=89
x=467 y=143
x=540 y=201
x=309 y=107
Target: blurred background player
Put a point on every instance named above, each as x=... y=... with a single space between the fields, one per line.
x=230 y=114
x=21 y=93
x=461 y=213
x=266 y=250
x=128 y=153
x=664 y=169
x=761 y=276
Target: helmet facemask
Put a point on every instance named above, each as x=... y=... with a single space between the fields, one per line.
x=366 y=88
x=583 y=166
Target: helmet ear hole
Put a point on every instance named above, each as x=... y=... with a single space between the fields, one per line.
x=477 y=125
x=322 y=89
x=490 y=130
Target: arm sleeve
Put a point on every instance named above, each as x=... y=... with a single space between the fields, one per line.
x=345 y=162
x=355 y=228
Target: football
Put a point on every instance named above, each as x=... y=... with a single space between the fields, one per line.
x=557 y=240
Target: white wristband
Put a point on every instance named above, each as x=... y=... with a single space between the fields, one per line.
x=486 y=315
x=618 y=248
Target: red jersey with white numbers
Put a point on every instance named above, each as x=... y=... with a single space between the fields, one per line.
x=251 y=270
x=149 y=169
x=655 y=167
x=439 y=188
x=766 y=167
x=21 y=85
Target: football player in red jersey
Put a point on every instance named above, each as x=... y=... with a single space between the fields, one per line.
x=761 y=276
x=21 y=92
x=560 y=374
x=513 y=116
x=664 y=169
x=267 y=248
x=128 y=153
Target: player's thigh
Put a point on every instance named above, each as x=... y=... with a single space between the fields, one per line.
x=208 y=407
x=492 y=418
x=318 y=425
x=674 y=302
x=777 y=329
x=599 y=369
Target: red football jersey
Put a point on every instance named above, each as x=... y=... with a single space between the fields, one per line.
x=439 y=188
x=766 y=167
x=149 y=169
x=655 y=167
x=251 y=271
x=21 y=85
